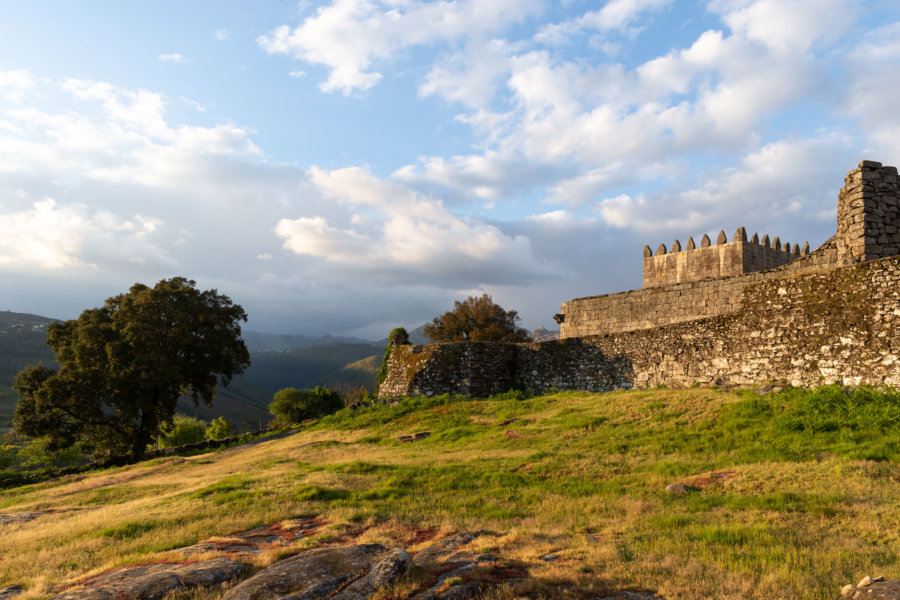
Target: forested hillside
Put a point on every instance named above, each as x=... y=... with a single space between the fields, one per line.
x=301 y=362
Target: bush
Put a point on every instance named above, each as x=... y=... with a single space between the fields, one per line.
x=291 y=405
x=219 y=429
x=184 y=430
x=41 y=453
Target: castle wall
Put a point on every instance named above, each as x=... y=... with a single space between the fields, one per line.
x=722 y=260
x=815 y=328
x=868 y=228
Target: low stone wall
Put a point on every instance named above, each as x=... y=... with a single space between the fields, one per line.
x=816 y=328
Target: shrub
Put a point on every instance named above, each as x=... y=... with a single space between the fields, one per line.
x=219 y=429
x=184 y=430
x=290 y=405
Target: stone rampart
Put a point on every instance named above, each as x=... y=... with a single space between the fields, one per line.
x=807 y=329
x=725 y=259
x=868 y=228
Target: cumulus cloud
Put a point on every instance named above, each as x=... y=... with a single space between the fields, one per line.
x=615 y=14
x=788 y=26
x=406 y=236
x=352 y=37
x=50 y=236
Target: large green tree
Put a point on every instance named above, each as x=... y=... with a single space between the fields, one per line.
x=476 y=319
x=123 y=367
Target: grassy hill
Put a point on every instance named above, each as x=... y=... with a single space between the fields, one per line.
x=789 y=495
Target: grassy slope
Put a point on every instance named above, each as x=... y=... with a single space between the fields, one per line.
x=802 y=514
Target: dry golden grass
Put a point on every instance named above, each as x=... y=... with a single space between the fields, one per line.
x=584 y=481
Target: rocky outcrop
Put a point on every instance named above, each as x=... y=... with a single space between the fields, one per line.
x=872 y=589
x=153 y=581
x=9 y=591
x=342 y=573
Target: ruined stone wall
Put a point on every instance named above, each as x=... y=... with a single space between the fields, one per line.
x=869 y=214
x=722 y=260
x=868 y=228
x=809 y=329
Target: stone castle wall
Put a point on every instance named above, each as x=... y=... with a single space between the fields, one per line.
x=868 y=228
x=842 y=325
x=725 y=259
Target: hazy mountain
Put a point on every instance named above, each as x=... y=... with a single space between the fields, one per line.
x=258 y=341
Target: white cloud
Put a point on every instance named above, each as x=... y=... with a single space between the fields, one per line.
x=352 y=37
x=779 y=178
x=297 y=73
x=615 y=15
x=52 y=236
x=406 y=237
x=16 y=84
x=788 y=26
x=222 y=34
x=173 y=57
x=469 y=77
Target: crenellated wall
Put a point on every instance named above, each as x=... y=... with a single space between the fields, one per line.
x=842 y=325
x=725 y=259
x=868 y=228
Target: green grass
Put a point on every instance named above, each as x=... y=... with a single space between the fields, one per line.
x=796 y=490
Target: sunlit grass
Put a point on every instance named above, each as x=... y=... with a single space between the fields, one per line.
x=804 y=508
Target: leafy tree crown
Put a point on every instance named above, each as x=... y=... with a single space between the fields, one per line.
x=477 y=319
x=123 y=367
x=290 y=405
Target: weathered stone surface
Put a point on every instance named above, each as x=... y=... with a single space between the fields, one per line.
x=704 y=282
x=679 y=489
x=153 y=581
x=260 y=539
x=841 y=325
x=414 y=437
x=341 y=573
x=10 y=591
x=877 y=590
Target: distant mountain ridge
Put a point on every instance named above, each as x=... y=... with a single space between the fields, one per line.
x=258 y=341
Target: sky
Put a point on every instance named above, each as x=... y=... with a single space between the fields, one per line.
x=350 y=166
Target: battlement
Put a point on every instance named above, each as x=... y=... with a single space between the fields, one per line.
x=725 y=259
x=696 y=283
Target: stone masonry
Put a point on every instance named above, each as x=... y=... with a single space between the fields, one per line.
x=738 y=257
x=840 y=326
x=868 y=227
x=832 y=315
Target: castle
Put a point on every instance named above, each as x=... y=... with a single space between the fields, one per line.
x=742 y=312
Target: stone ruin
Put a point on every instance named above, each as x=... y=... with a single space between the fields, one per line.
x=695 y=283
x=806 y=318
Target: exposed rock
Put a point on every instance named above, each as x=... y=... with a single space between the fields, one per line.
x=876 y=589
x=549 y=557
x=153 y=581
x=10 y=591
x=680 y=489
x=446 y=548
x=342 y=573
x=414 y=437
x=260 y=539
x=630 y=595
x=465 y=572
